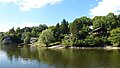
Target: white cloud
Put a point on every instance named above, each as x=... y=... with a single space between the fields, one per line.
x=104 y=7
x=27 y=24
x=6 y=26
x=26 y=5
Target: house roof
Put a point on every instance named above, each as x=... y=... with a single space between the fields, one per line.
x=99 y=29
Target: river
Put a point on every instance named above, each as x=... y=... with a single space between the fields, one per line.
x=31 y=57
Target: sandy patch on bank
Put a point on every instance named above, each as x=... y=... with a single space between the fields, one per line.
x=56 y=47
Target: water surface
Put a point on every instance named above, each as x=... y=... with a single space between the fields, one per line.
x=26 y=57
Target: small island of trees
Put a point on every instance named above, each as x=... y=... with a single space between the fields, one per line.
x=100 y=31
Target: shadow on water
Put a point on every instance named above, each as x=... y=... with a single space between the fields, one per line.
x=65 y=58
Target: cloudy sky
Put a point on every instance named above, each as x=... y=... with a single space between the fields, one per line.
x=21 y=13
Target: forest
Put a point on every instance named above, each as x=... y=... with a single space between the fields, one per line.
x=99 y=31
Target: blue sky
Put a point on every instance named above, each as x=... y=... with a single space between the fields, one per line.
x=21 y=13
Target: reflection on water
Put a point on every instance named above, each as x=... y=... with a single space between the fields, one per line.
x=27 y=57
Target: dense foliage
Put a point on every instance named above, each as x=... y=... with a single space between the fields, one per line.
x=47 y=37
x=115 y=37
x=83 y=31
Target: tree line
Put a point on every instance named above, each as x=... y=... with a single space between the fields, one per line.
x=82 y=32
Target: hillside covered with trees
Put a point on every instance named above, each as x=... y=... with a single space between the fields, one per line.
x=82 y=32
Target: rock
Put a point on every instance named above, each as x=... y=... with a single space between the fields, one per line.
x=10 y=40
x=7 y=40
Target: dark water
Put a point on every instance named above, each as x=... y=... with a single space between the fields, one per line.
x=12 y=57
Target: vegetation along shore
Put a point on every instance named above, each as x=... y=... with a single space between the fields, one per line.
x=100 y=31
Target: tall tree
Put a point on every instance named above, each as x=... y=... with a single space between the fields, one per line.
x=64 y=27
x=1 y=37
x=111 y=20
x=18 y=30
x=118 y=20
x=12 y=31
x=33 y=32
x=75 y=27
x=57 y=32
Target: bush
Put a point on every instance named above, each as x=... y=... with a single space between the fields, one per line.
x=114 y=37
x=94 y=41
x=68 y=41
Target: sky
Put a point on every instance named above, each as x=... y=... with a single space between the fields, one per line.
x=28 y=13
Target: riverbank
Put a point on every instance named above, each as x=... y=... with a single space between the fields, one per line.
x=106 y=48
x=62 y=47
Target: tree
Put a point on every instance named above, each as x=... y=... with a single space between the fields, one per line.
x=84 y=31
x=99 y=21
x=42 y=27
x=24 y=35
x=64 y=27
x=28 y=34
x=27 y=40
x=86 y=21
x=118 y=20
x=80 y=27
x=1 y=37
x=47 y=37
x=75 y=27
x=115 y=37
x=12 y=31
x=34 y=32
x=111 y=21
x=57 y=32
x=27 y=29
x=18 y=30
